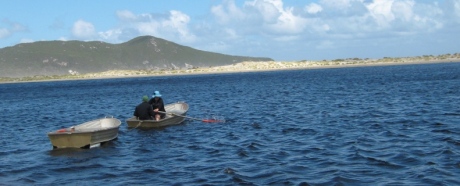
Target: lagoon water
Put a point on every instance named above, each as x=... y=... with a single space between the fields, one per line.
x=388 y=125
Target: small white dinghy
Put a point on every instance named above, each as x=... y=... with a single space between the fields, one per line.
x=86 y=135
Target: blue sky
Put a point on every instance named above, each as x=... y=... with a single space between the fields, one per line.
x=284 y=30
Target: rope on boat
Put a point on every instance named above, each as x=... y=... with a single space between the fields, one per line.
x=140 y=122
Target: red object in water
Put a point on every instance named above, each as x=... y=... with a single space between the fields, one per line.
x=211 y=120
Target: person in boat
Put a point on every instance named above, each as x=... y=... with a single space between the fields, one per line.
x=144 y=110
x=157 y=105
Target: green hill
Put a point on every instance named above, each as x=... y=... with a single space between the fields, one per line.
x=144 y=52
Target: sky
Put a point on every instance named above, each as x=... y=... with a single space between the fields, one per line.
x=284 y=30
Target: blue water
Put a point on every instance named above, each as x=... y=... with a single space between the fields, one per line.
x=391 y=125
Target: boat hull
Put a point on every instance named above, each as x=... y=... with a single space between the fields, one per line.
x=87 y=134
x=179 y=109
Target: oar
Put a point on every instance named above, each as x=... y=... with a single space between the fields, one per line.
x=203 y=120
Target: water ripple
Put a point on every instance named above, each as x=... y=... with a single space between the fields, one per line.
x=358 y=126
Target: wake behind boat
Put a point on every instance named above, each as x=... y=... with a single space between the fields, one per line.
x=86 y=135
x=175 y=114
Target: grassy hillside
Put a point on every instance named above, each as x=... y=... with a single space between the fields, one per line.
x=76 y=57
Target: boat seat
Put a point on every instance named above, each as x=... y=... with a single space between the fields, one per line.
x=106 y=124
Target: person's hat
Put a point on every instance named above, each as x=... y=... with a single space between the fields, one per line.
x=156 y=94
x=145 y=98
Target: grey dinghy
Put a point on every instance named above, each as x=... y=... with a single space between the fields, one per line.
x=86 y=135
x=175 y=114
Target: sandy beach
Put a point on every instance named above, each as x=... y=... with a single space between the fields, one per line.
x=235 y=68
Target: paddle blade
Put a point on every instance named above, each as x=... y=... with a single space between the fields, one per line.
x=212 y=121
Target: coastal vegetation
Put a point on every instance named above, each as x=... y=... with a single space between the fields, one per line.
x=49 y=58
x=245 y=66
x=151 y=56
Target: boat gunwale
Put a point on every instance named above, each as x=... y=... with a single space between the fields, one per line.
x=82 y=132
x=87 y=130
x=155 y=121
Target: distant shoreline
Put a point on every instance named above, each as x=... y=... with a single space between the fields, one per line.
x=235 y=68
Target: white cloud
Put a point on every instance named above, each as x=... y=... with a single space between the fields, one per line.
x=245 y=27
x=24 y=40
x=4 y=33
x=457 y=9
x=227 y=12
x=269 y=10
x=269 y=15
x=454 y=10
x=178 y=22
x=286 y=38
x=231 y=33
x=380 y=10
x=313 y=8
x=281 y=20
x=400 y=16
x=11 y=28
x=328 y=22
x=173 y=27
x=403 y=10
x=148 y=28
x=83 y=30
x=111 y=35
x=126 y=15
